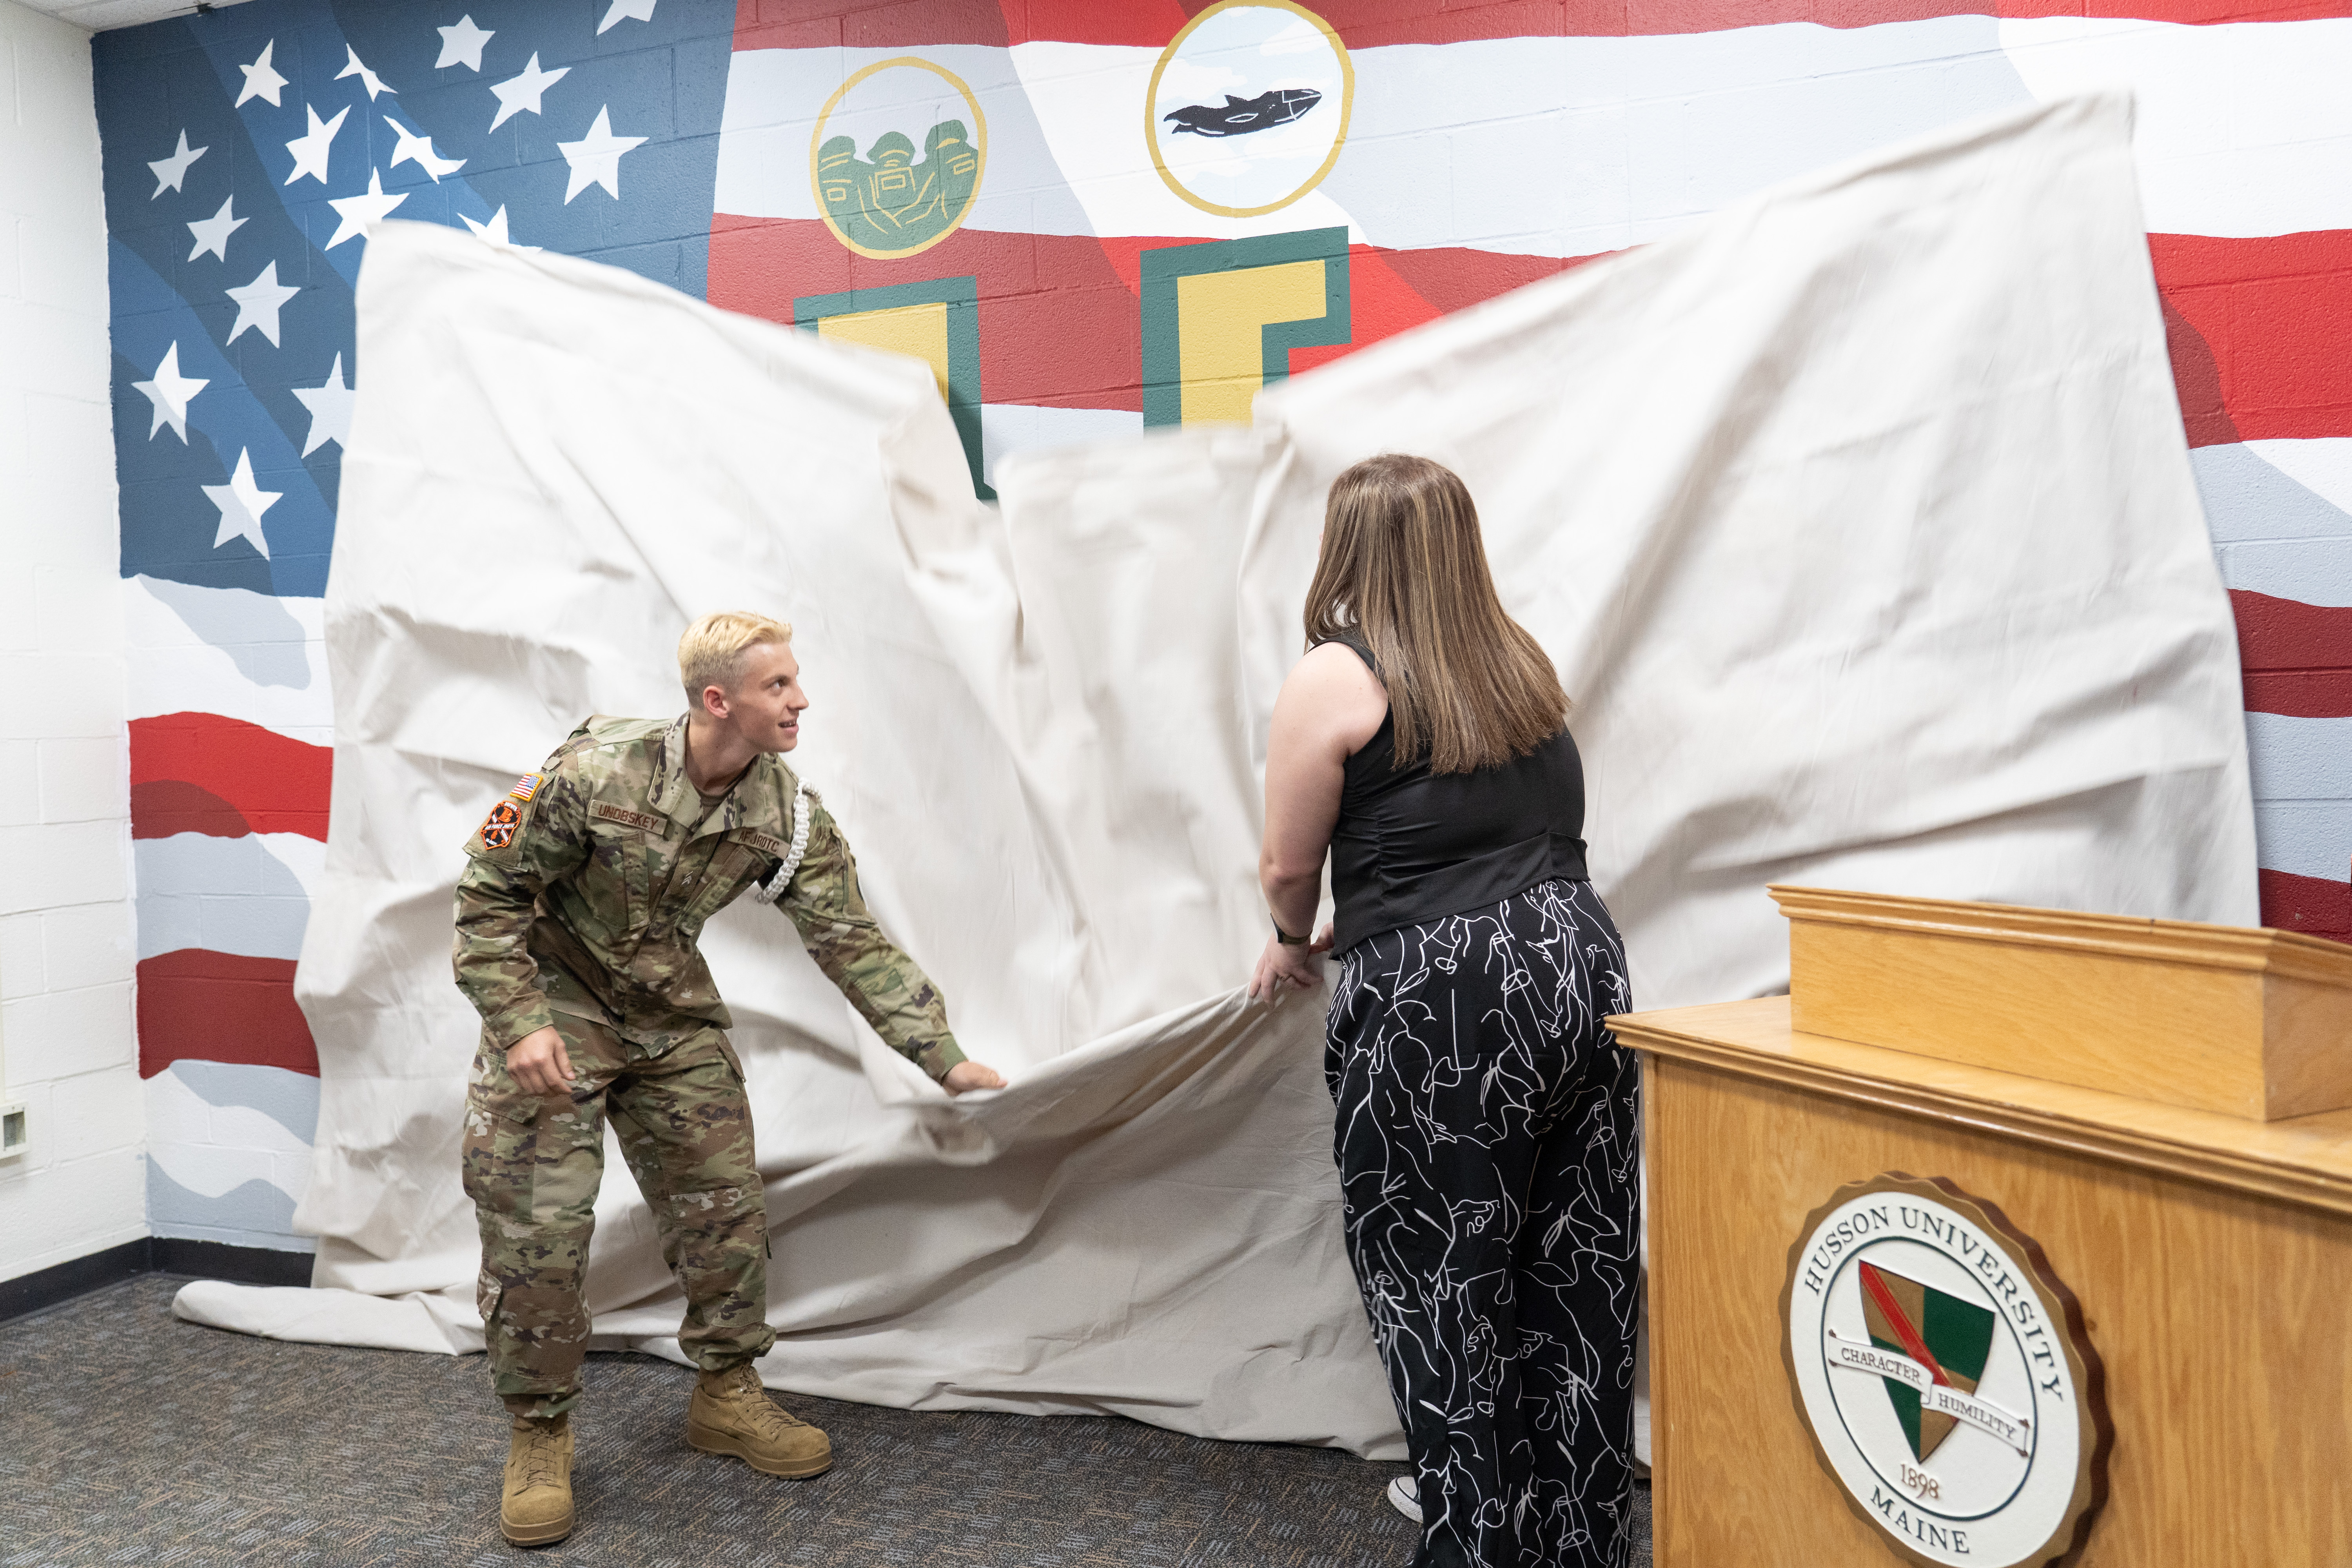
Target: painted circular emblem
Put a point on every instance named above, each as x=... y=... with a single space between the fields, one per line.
x=896 y=157
x=1248 y=107
x=1945 y=1375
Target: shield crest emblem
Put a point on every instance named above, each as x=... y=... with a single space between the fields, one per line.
x=1949 y=1337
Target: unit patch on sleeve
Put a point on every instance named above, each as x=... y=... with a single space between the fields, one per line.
x=499 y=829
x=626 y=817
x=525 y=786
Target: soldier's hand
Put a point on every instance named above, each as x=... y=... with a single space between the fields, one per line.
x=972 y=1075
x=538 y=1062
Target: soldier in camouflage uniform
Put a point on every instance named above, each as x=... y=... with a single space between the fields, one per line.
x=579 y=911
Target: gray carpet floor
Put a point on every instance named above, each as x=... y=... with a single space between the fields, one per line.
x=132 y=1437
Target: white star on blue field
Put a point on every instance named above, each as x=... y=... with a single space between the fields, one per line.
x=250 y=152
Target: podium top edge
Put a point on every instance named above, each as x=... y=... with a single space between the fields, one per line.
x=2264 y=948
x=2305 y=1160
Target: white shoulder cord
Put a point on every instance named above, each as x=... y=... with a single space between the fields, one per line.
x=768 y=891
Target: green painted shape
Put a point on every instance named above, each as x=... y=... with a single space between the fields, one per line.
x=1163 y=359
x=1959 y=1333
x=962 y=297
x=889 y=201
x=1906 y=1400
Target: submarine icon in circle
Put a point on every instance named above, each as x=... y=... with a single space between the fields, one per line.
x=1239 y=117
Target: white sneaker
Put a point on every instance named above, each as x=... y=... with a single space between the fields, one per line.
x=1404 y=1496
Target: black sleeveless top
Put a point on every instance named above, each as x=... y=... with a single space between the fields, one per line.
x=1412 y=846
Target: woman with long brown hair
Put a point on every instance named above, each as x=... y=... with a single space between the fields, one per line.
x=1487 y=1130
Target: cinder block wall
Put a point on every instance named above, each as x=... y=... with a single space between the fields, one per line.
x=67 y=1046
x=1491 y=142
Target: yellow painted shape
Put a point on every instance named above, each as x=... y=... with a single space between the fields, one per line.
x=920 y=330
x=1220 y=340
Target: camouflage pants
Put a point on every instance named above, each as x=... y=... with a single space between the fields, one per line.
x=533 y=1167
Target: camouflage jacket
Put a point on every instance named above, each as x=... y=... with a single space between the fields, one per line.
x=586 y=889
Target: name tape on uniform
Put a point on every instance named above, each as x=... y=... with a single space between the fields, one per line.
x=624 y=816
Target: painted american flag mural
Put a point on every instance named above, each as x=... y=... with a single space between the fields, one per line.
x=1090 y=218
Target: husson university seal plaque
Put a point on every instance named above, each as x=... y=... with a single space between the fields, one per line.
x=1945 y=1375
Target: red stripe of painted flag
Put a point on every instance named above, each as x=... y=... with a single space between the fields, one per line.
x=2259 y=330
x=1371 y=24
x=201 y=773
x=204 y=1006
x=2261 y=333
x=1058 y=321
x=2312 y=905
x=2297 y=657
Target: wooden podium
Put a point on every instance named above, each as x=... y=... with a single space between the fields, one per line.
x=2128 y=1140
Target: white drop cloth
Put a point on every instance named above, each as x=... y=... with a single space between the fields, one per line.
x=1858 y=519
x=1860 y=525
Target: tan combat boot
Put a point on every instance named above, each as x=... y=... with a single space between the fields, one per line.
x=731 y=1413
x=535 y=1509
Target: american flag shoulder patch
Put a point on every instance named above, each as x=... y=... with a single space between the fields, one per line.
x=526 y=786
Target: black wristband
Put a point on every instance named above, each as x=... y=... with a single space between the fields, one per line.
x=1283 y=937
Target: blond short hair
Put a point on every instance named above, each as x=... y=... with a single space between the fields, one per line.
x=711 y=652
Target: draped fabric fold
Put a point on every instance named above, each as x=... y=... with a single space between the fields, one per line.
x=1857 y=519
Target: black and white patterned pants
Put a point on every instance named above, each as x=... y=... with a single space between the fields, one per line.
x=1487 y=1138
